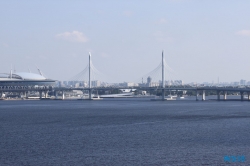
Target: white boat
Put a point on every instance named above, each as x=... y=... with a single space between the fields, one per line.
x=159 y=98
x=96 y=97
x=128 y=94
x=123 y=93
x=170 y=97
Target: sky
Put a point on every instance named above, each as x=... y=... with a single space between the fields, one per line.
x=202 y=40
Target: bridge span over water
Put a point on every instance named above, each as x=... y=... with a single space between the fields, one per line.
x=219 y=90
x=198 y=90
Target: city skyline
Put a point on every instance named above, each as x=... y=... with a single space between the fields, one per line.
x=202 y=40
x=151 y=83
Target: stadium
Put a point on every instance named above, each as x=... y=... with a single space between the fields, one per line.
x=17 y=83
x=25 y=79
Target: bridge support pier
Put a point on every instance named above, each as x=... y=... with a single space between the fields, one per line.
x=225 y=95
x=248 y=95
x=25 y=94
x=90 y=94
x=203 y=95
x=63 y=97
x=56 y=95
x=163 y=94
x=1 y=94
x=197 y=94
x=241 y=96
x=40 y=94
x=218 y=95
x=45 y=94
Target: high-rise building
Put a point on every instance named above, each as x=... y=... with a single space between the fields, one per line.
x=149 y=81
x=236 y=83
x=65 y=83
x=242 y=82
x=95 y=83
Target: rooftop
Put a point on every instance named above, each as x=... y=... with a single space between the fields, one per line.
x=21 y=76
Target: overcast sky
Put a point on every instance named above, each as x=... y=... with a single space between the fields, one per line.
x=202 y=40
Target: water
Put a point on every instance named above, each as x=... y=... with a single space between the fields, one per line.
x=123 y=132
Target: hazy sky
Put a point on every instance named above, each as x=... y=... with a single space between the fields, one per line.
x=202 y=40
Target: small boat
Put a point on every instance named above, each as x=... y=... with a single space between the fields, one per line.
x=170 y=97
x=96 y=97
x=120 y=95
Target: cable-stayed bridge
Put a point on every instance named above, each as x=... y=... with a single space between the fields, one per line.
x=151 y=79
x=90 y=73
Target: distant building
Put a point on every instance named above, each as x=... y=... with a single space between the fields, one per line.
x=173 y=82
x=142 y=84
x=168 y=83
x=95 y=83
x=60 y=84
x=206 y=83
x=154 y=84
x=149 y=83
x=149 y=80
x=64 y=83
x=235 y=83
x=242 y=82
x=128 y=84
x=178 y=82
x=84 y=84
x=104 y=84
x=77 y=85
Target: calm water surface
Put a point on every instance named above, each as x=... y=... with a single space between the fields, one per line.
x=123 y=132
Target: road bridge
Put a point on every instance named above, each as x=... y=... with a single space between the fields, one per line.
x=202 y=89
x=219 y=90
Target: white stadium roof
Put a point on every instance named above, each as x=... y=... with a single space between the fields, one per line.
x=22 y=76
x=29 y=76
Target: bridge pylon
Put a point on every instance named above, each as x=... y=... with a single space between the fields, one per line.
x=90 y=91
x=163 y=77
